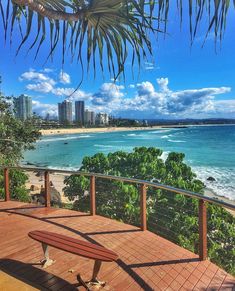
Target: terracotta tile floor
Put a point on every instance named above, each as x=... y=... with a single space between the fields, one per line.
x=146 y=261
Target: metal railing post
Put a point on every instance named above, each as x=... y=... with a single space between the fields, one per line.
x=6 y=184
x=143 y=212
x=202 y=230
x=47 y=189
x=92 y=196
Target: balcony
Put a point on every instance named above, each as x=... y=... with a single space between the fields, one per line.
x=146 y=261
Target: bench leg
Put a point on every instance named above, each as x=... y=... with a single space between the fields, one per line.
x=94 y=281
x=46 y=262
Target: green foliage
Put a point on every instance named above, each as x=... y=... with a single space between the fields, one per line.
x=17 y=189
x=173 y=216
x=15 y=137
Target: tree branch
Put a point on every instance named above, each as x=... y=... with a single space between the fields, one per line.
x=47 y=12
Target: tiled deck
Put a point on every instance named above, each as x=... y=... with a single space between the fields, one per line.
x=147 y=261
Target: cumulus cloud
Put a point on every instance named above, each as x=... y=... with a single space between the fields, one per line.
x=64 y=78
x=71 y=94
x=160 y=102
x=108 y=94
x=48 y=70
x=150 y=100
x=43 y=83
x=43 y=87
x=35 y=76
x=43 y=109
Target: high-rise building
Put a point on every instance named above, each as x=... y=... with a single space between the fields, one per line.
x=80 y=112
x=89 y=117
x=23 y=107
x=65 y=112
x=102 y=119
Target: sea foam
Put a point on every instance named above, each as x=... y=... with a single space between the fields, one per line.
x=224 y=184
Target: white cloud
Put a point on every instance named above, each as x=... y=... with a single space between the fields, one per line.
x=108 y=98
x=48 y=70
x=43 y=109
x=43 y=87
x=64 y=78
x=41 y=82
x=36 y=77
x=167 y=103
x=148 y=100
x=71 y=94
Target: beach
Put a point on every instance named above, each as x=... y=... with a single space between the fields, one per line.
x=95 y=130
x=59 y=131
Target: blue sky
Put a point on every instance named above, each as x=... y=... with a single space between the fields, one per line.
x=179 y=81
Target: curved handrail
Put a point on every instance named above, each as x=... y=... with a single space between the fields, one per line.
x=198 y=196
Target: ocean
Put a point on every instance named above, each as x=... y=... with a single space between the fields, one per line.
x=209 y=150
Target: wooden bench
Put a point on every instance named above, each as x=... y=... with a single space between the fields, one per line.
x=77 y=247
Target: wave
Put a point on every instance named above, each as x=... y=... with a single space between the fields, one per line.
x=107 y=148
x=160 y=131
x=64 y=138
x=171 y=140
x=166 y=136
x=224 y=184
x=65 y=168
x=135 y=134
x=104 y=146
x=164 y=155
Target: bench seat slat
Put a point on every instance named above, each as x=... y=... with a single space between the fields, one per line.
x=75 y=246
x=74 y=240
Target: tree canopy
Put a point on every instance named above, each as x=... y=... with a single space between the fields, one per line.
x=15 y=135
x=107 y=30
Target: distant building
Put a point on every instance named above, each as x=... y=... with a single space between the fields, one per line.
x=65 y=112
x=80 y=112
x=145 y=122
x=89 y=117
x=23 y=107
x=102 y=119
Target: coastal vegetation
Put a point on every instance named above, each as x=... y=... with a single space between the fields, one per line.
x=16 y=136
x=173 y=216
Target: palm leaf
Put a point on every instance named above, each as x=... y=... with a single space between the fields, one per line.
x=110 y=29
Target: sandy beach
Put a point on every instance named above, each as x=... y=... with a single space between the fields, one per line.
x=58 y=131
x=94 y=130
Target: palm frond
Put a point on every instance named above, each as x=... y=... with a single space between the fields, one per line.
x=110 y=30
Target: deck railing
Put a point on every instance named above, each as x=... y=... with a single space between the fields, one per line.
x=202 y=199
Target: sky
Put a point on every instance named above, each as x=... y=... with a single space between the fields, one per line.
x=178 y=81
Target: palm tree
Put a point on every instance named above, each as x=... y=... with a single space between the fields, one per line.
x=108 y=30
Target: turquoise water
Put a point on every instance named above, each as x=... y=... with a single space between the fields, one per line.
x=209 y=150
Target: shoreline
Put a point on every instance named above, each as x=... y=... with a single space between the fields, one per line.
x=48 y=132
x=61 y=131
